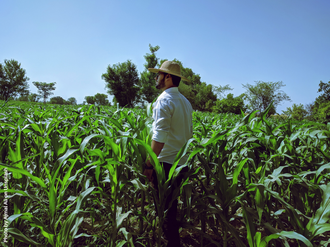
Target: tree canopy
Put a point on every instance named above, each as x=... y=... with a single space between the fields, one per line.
x=324 y=89
x=220 y=90
x=230 y=104
x=321 y=108
x=296 y=112
x=13 y=80
x=148 y=91
x=72 y=101
x=204 y=99
x=90 y=100
x=122 y=81
x=263 y=93
x=57 y=100
x=45 y=89
x=101 y=99
x=33 y=97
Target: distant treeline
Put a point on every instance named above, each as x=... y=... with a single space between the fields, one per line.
x=130 y=88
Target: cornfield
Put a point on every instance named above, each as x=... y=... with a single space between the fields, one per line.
x=75 y=179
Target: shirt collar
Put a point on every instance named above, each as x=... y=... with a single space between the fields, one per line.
x=172 y=90
x=169 y=91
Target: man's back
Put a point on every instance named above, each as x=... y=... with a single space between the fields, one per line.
x=172 y=123
x=172 y=128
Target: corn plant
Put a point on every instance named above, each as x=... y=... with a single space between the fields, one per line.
x=76 y=178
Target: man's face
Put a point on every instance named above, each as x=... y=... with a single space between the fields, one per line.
x=160 y=80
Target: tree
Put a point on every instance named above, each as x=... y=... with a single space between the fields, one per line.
x=101 y=99
x=44 y=89
x=90 y=100
x=72 y=101
x=220 y=90
x=323 y=112
x=57 y=100
x=13 y=80
x=310 y=111
x=262 y=94
x=122 y=81
x=205 y=99
x=148 y=90
x=23 y=98
x=230 y=105
x=33 y=97
x=297 y=112
x=321 y=108
x=325 y=96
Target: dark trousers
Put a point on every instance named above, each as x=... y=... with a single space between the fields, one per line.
x=171 y=226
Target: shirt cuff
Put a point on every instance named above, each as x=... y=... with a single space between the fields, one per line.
x=160 y=136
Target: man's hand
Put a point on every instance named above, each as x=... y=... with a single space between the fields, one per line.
x=157 y=148
x=148 y=172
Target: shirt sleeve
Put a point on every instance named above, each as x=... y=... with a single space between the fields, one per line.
x=162 y=121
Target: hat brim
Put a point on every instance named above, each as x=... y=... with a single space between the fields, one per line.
x=168 y=72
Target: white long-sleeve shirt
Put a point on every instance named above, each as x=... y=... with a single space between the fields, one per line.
x=172 y=124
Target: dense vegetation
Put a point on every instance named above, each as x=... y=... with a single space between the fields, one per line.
x=75 y=179
x=130 y=88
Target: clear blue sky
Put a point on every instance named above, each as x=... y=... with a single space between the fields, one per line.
x=231 y=42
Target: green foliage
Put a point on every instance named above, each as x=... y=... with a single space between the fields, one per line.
x=90 y=100
x=75 y=179
x=72 y=101
x=297 y=112
x=321 y=106
x=122 y=81
x=323 y=112
x=310 y=111
x=262 y=94
x=33 y=97
x=205 y=99
x=57 y=100
x=44 y=89
x=220 y=90
x=230 y=105
x=188 y=92
x=101 y=99
x=13 y=80
x=324 y=88
x=148 y=91
x=23 y=98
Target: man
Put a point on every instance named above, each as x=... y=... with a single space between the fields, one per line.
x=172 y=128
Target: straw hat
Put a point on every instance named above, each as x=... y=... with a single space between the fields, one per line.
x=169 y=67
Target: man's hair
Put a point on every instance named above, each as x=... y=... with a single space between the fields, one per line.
x=176 y=80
